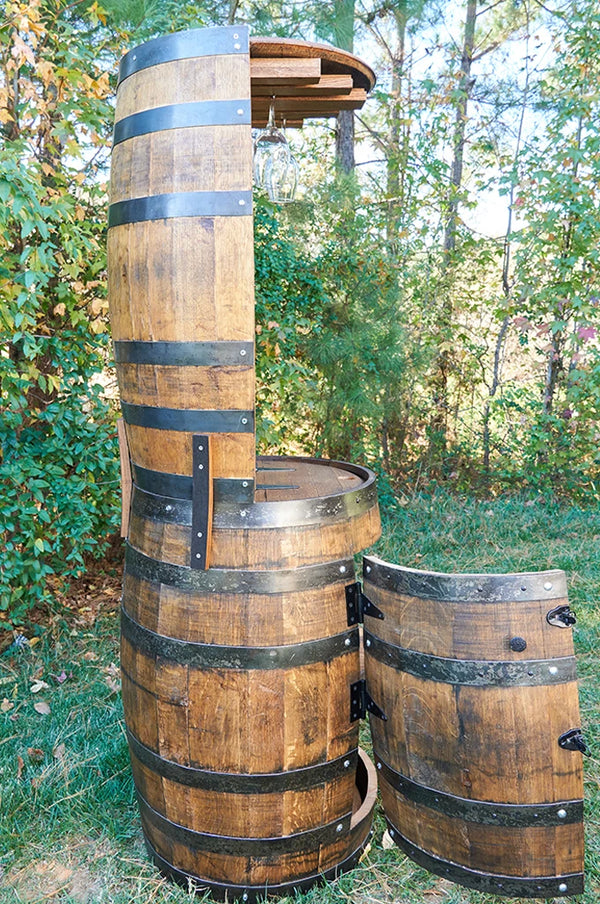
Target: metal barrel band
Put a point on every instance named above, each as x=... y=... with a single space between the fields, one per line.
x=198 y=42
x=480 y=811
x=183 y=116
x=257 y=515
x=187 y=420
x=213 y=656
x=180 y=204
x=249 y=894
x=472 y=672
x=476 y=588
x=234 y=846
x=512 y=886
x=221 y=580
x=304 y=779
x=180 y=486
x=184 y=354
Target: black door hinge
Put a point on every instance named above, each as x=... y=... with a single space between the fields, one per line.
x=561 y=617
x=358 y=605
x=361 y=703
x=574 y=740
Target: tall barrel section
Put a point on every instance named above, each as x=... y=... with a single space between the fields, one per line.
x=180 y=251
x=479 y=761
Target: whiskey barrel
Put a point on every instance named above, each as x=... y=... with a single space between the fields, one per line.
x=237 y=681
x=479 y=761
x=180 y=252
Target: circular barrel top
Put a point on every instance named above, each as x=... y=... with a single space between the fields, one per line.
x=333 y=60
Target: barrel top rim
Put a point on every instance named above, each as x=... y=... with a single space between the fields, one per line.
x=337 y=60
x=464 y=576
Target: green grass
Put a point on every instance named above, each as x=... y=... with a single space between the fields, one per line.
x=69 y=827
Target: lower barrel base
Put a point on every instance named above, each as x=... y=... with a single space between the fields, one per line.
x=360 y=830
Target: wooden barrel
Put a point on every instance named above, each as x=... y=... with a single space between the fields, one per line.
x=237 y=681
x=479 y=761
x=180 y=252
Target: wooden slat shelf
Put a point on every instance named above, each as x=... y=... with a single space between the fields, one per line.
x=307 y=80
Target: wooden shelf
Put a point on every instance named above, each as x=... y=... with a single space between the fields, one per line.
x=307 y=80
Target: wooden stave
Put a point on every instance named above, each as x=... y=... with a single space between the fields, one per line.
x=464 y=848
x=337 y=794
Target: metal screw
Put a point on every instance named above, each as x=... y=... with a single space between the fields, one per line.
x=244 y=897
x=244 y=483
x=480 y=590
x=523 y=589
x=198 y=556
x=236 y=36
x=368 y=643
x=346 y=764
x=379 y=765
x=241 y=202
x=243 y=513
x=200 y=467
x=563 y=886
x=200 y=448
x=199 y=534
x=347 y=642
x=548 y=586
x=339 y=827
x=553 y=670
x=168 y=508
x=242 y=352
x=244 y=420
x=237 y=46
x=240 y=112
x=562 y=814
x=273 y=654
x=342 y=569
x=368 y=569
x=134 y=57
x=391 y=833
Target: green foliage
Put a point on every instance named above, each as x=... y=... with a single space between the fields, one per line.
x=58 y=464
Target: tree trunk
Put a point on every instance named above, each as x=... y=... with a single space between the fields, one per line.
x=439 y=421
x=343 y=29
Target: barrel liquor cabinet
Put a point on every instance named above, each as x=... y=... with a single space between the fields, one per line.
x=239 y=659
x=242 y=682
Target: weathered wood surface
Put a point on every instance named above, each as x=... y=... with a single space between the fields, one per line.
x=481 y=743
x=126 y=480
x=185 y=278
x=249 y=721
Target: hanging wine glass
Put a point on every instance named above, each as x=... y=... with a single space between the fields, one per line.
x=269 y=145
x=281 y=178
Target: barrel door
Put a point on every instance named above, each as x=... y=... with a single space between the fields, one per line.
x=479 y=759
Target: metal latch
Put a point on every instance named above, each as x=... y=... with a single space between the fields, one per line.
x=361 y=702
x=358 y=605
x=561 y=617
x=574 y=740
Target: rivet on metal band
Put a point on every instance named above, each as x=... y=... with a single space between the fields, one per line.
x=478 y=588
x=513 y=886
x=224 y=580
x=181 y=204
x=197 y=42
x=184 y=354
x=473 y=672
x=303 y=779
x=183 y=116
x=209 y=656
x=480 y=811
x=188 y=420
x=260 y=848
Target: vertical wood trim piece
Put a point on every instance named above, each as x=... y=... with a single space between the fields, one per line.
x=126 y=479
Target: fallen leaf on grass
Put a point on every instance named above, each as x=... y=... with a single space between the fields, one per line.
x=38 y=686
x=59 y=752
x=6 y=705
x=113 y=674
x=386 y=842
x=35 y=754
x=62 y=677
x=42 y=708
x=20 y=766
x=91 y=657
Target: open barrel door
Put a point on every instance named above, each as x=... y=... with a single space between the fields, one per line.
x=479 y=755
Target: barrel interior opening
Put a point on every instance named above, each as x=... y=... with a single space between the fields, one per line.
x=281 y=479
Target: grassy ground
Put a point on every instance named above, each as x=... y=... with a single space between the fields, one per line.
x=69 y=829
